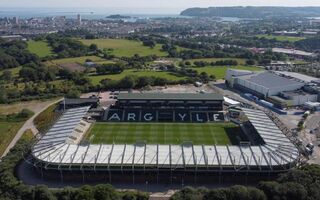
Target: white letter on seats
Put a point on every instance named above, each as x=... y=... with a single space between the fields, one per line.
x=148 y=117
x=182 y=116
x=216 y=117
x=114 y=116
x=131 y=116
x=198 y=119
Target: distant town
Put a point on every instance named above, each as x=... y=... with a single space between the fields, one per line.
x=157 y=107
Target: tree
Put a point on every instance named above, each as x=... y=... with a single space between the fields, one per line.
x=204 y=77
x=294 y=191
x=3 y=96
x=144 y=81
x=238 y=192
x=256 y=194
x=218 y=194
x=73 y=93
x=105 y=192
x=42 y=192
x=271 y=189
x=93 y=47
x=7 y=75
x=149 y=43
x=66 y=194
x=85 y=192
x=127 y=82
x=250 y=62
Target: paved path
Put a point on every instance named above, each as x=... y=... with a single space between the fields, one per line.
x=29 y=125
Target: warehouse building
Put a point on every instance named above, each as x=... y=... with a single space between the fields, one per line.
x=280 y=90
x=262 y=84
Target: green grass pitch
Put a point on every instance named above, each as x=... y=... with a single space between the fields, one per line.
x=164 y=133
x=40 y=48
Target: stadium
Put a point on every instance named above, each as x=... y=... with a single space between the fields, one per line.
x=165 y=135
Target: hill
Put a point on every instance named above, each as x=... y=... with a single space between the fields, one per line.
x=252 y=12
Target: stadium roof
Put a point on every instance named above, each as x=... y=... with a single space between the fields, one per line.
x=278 y=153
x=270 y=80
x=170 y=96
x=73 y=101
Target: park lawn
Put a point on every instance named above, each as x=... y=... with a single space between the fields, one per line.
x=46 y=119
x=40 y=48
x=125 y=48
x=164 y=133
x=27 y=135
x=281 y=37
x=15 y=71
x=241 y=61
x=80 y=60
x=105 y=62
x=7 y=132
x=220 y=71
x=167 y=75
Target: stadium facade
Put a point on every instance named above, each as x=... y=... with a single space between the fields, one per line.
x=60 y=149
x=166 y=107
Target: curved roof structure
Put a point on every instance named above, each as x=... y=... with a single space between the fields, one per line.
x=55 y=151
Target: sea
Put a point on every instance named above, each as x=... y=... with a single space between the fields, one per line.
x=89 y=13
x=98 y=13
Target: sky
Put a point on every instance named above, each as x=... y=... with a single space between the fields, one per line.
x=161 y=4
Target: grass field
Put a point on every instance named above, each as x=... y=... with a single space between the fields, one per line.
x=7 y=132
x=40 y=48
x=79 y=60
x=15 y=71
x=220 y=72
x=127 y=48
x=282 y=38
x=167 y=75
x=164 y=133
x=241 y=61
x=46 y=119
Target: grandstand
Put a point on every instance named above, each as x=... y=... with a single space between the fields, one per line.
x=60 y=150
x=166 y=107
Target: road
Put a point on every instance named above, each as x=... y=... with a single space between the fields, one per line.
x=29 y=124
x=312 y=122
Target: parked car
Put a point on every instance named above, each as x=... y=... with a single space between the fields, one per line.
x=310 y=146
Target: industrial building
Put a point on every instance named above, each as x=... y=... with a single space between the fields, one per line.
x=298 y=76
x=279 y=89
x=294 y=53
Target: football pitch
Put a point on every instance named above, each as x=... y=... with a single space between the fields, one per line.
x=164 y=133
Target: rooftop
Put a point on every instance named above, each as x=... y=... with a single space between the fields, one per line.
x=79 y=100
x=270 y=80
x=170 y=96
x=298 y=76
x=292 y=52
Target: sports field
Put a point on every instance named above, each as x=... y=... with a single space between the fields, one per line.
x=167 y=75
x=281 y=37
x=164 y=133
x=40 y=48
x=80 y=60
x=220 y=71
x=123 y=47
x=241 y=61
